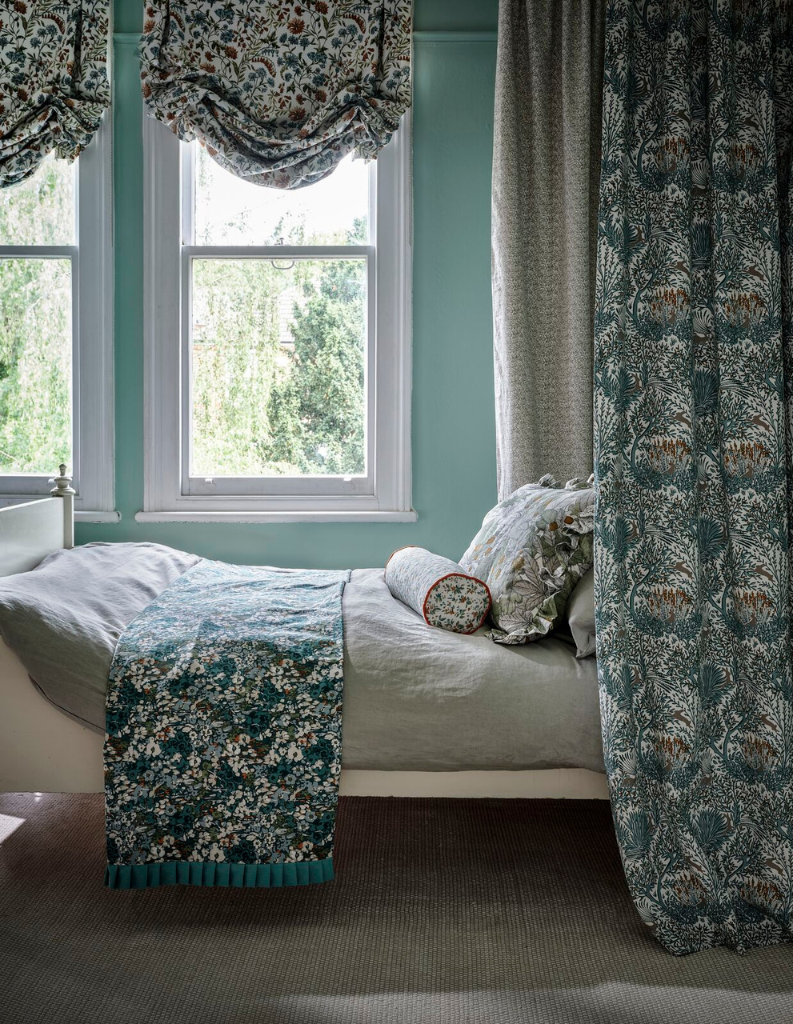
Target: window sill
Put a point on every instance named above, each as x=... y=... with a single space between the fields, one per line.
x=314 y=516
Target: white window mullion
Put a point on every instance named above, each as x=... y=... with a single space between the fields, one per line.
x=187 y=197
x=277 y=252
x=94 y=450
x=37 y=252
x=79 y=481
x=394 y=320
x=371 y=425
x=187 y=206
x=162 y=325
x=186 y=370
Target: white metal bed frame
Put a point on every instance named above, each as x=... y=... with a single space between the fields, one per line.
x=43 y=750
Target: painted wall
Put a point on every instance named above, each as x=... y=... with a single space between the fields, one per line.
x=454 y=474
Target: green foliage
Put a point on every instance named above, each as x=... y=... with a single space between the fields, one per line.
x=35 y=365
x=270 y=399
x=35 y=324
x=277 y=358
x=317 y=410
x=235 y=350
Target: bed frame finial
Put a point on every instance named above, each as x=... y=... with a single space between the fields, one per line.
x=63 y=489
x=62 y=483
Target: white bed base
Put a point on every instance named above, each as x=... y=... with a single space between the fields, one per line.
x=43 y=750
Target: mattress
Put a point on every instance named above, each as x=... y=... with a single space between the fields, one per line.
x=416 y=698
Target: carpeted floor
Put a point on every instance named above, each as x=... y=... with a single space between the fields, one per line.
x=447 y=911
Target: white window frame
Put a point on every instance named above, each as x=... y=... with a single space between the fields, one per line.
x=91 y=258
x=170 y=493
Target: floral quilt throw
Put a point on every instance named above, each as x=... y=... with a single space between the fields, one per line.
x=223 y=742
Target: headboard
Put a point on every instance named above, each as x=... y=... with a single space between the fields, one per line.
x=33 y=530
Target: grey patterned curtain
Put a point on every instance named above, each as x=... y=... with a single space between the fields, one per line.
x=53 y=80
x=546 y=172
x=279 y=92
x=694 y=520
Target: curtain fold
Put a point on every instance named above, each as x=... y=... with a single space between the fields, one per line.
x=53 y=81
x=694 y=464
x=279 y=92
x=546 y=172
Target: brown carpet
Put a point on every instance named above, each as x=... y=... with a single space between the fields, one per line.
x=443 y=911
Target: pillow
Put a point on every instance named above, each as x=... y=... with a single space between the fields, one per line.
x=581 y=615
x=63 y=618
x=438 y=589
x=531 y=550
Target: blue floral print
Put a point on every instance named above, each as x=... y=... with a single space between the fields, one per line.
x=694 y=462
x=223 y=744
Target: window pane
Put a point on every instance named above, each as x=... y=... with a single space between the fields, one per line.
x=40 y=210
x=35 y=365
x=278 y=367
x=230 y=211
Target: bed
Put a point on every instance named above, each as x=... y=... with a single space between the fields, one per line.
x=426 y=712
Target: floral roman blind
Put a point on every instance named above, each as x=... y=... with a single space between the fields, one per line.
x=279 y=92
x=53 y=80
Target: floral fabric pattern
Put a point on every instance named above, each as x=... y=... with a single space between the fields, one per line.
x=694 y=369
x=279 y=92
x=438 y=589
x=223 y=744
x=53 y=81
x=531 y=550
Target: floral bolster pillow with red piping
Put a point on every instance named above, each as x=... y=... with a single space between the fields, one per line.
x=438 y=589
x=531 y=550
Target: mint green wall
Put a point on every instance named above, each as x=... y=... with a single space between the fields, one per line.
x=454 y=476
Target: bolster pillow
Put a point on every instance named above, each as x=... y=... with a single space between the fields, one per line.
x=438 y=589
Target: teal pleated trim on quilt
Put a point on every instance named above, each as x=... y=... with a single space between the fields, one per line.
x=208 y=873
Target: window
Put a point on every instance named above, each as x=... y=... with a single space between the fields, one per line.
x=277 y=340
x=56 y=331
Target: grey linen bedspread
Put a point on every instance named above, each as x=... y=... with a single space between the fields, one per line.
x=416 y=698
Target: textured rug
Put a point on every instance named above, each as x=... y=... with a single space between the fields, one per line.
x=448 y=911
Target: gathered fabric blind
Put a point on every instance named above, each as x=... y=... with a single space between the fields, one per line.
x=279 y=93
x=53 y=81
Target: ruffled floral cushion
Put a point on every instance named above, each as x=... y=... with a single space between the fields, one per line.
x=438 y=589
x=531 y=550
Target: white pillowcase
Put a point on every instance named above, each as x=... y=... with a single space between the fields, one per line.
x=581 y=615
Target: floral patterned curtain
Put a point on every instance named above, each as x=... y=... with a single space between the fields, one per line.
x=53 y=80
x=694 y=451
x=279 y=92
